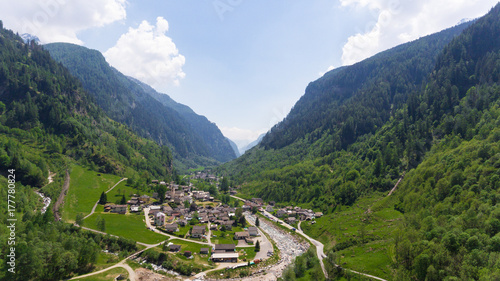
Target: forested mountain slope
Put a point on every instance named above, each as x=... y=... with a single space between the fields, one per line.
x=345 y=105
x=48 y=122
x=443 y=131
x=131 y=102
x=219 y=147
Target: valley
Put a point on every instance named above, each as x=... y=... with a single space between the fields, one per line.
x=387 y=169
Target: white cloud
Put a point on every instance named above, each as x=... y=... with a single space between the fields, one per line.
x=147 y=54
x=399 y=21
x=60 y=20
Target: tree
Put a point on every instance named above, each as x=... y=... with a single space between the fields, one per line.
x=242 y=221
x=103 y=199
x=162 y=190
x=257 y=222
x=257 y=246
x=101 y=223
x=79 y=219
x=331 y=265
x=123 y=200
x=224 y=185
x=193 y=207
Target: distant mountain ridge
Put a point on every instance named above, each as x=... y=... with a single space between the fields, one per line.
x=208 y=131
x=131 y=102
x=252 y=144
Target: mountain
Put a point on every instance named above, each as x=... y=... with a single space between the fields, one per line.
x=193 y=139
x=345 y=104
x=28 y=38
x=48 y=122
x=217 y=144
x=401 y=153
x=252 y=144
x=234 y=147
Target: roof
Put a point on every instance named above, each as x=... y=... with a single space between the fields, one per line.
x=198 y=229
x=225 y=255
x=241 y=234
x=204 y=250
x=253 y=230
x=174 y=247
x=225 y=246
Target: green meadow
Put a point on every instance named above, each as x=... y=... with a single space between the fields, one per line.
x=130 y=226
x=85 y=189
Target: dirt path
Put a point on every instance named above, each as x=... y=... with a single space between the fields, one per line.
x=96 y=203
x=396 y=185
x=122 y=264
x=131 y=273
x=60 y=199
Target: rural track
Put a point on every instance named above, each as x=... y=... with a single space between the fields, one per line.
x=60 y=199
x=96 y=203
x=319 y=246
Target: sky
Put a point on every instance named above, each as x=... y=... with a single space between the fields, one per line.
x=241 y=63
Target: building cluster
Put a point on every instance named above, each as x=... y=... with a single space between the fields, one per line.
x=170 y=219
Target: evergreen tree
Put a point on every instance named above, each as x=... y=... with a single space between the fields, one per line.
x=103 y=199
x=257 y=222
x=123 y=200
x=257 y=246
x=224 y=185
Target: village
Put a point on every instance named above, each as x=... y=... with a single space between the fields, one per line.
x=195 y=215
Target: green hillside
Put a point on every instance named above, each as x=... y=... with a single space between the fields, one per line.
x=48 y=122
x=428 y=108
x=193 y=139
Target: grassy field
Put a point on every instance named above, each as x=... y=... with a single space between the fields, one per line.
x=124 y=189
x=225 y=237
x=129 y=226
x=366 y=236
x=105 y=260
x=246 y=253
x=84 y=190
x=195 y=250
x=106 y=276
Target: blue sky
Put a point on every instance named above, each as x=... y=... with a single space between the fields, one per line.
x=241 y=63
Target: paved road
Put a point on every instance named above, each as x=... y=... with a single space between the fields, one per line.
x=148 y=224
x=265 y=244
x=319 y=245
x=95 y=205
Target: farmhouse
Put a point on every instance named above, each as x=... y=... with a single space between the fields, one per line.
x=253 y=231
x=241 y=235
x=174 y=248
x=197 y=231
x=225 y=248
x=172 y=227
x=225 y=257
x=120 y=209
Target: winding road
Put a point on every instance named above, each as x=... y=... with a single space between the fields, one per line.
x=319 y=246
